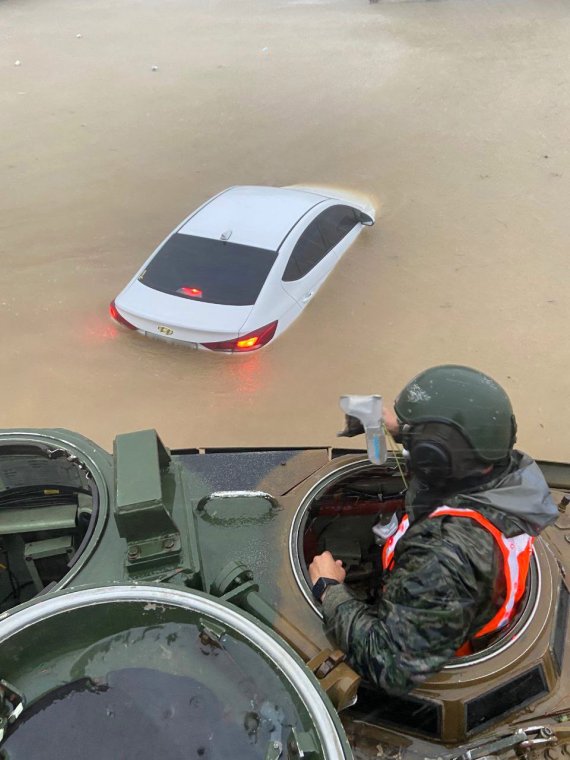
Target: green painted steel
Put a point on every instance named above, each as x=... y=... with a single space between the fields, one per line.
x=187 y=531
x=91 y=638
x=150 y=521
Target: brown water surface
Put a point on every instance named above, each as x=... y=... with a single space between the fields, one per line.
x=452 y=116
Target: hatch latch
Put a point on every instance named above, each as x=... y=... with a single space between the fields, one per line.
x=12 y=704
x=522 y=742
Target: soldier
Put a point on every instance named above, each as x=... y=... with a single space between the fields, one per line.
x=456 y=566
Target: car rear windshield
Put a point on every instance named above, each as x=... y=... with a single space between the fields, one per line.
x=213 y=271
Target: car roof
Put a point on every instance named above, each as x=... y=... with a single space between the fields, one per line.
x=257 y=216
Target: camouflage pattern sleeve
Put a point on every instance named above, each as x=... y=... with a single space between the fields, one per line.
x=439 y=594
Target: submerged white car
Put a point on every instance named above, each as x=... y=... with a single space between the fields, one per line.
x=239 y=270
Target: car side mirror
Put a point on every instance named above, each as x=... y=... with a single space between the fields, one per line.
x=365 y=219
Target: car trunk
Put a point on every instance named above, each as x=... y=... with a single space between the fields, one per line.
x=178 y=318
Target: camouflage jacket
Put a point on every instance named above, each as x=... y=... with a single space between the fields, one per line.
x=446 y=584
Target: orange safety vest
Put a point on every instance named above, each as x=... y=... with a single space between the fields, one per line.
x=516 y=553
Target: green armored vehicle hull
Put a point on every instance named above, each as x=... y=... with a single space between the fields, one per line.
x=156 y=603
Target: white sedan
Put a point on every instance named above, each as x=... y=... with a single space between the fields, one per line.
x=239 y=270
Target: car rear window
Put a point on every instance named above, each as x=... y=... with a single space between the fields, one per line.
x=214 y=271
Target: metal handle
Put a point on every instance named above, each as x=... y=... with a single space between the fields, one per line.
x=235 y=495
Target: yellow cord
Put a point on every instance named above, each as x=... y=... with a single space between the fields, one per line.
x=395 y=450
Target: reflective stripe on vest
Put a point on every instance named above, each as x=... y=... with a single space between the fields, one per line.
x=516 y=553
x=390 y=545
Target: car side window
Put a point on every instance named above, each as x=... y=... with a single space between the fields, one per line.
x=336 y=222
x=320 y=237
x=310 y=249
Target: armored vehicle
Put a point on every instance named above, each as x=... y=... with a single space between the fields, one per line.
x=156 y=603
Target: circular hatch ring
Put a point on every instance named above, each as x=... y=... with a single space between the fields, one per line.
x=88 y=457
x=297 y=526
x=329 y=730
x=502 y=643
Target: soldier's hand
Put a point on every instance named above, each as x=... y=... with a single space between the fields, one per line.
x=326 y=566
x=352 y=427
x=390 y=420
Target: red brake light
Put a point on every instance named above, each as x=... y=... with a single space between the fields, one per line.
x=114 y=312
x=249 y=342
x=192 y=292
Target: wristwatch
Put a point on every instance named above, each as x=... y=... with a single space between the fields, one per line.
x=320 y=586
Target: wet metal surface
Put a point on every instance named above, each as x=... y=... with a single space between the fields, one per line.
x=452 y=117
x=199 y=698
x=134 y=713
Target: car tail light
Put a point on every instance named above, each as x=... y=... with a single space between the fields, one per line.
x=249 y=342
x=114 y=312
x=191 y=292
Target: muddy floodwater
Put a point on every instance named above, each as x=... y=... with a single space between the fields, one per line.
x=119 y=118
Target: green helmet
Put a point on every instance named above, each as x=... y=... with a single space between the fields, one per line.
x=465 y=398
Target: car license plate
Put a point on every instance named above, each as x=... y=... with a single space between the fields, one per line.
x=168 y=339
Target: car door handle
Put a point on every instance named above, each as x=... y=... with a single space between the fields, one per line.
x=307 y=297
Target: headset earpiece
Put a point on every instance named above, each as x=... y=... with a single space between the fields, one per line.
x=430 y=461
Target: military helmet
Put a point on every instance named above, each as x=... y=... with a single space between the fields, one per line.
x=465 y=398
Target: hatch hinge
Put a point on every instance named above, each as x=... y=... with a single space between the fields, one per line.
x=235 y=584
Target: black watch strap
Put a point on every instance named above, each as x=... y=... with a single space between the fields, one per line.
x=320 y=586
